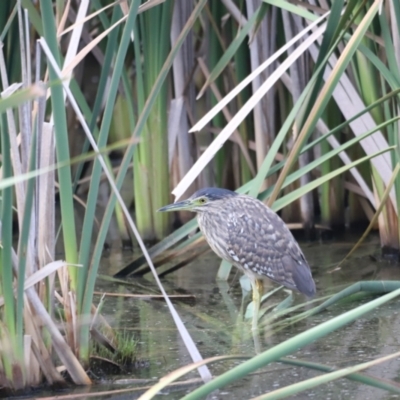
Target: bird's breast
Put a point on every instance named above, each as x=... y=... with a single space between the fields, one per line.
x=215 y=232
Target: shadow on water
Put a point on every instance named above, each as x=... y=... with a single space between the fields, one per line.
x=213 y=320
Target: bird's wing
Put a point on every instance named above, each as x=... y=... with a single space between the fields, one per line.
x=261 y=243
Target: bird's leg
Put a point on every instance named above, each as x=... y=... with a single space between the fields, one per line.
x=257 y=286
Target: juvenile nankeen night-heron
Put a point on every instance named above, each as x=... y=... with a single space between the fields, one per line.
x=246 y=233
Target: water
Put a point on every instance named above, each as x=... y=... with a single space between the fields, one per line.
x=213 y=320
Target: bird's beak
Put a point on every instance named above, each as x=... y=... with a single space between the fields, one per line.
x=180 y=205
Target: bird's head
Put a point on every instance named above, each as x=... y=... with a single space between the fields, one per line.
x=200 y=201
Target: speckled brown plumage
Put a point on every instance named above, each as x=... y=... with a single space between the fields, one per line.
x=248 y=234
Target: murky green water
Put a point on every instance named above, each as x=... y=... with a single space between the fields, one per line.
x=213 y=320
x=214 y=323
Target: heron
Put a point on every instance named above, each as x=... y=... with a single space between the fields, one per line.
x=249 y=235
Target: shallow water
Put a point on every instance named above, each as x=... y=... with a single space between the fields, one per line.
x=214 y=322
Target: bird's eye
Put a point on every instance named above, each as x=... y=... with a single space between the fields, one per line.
x=202 y=200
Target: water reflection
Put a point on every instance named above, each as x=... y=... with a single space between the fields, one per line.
x=215 y=321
